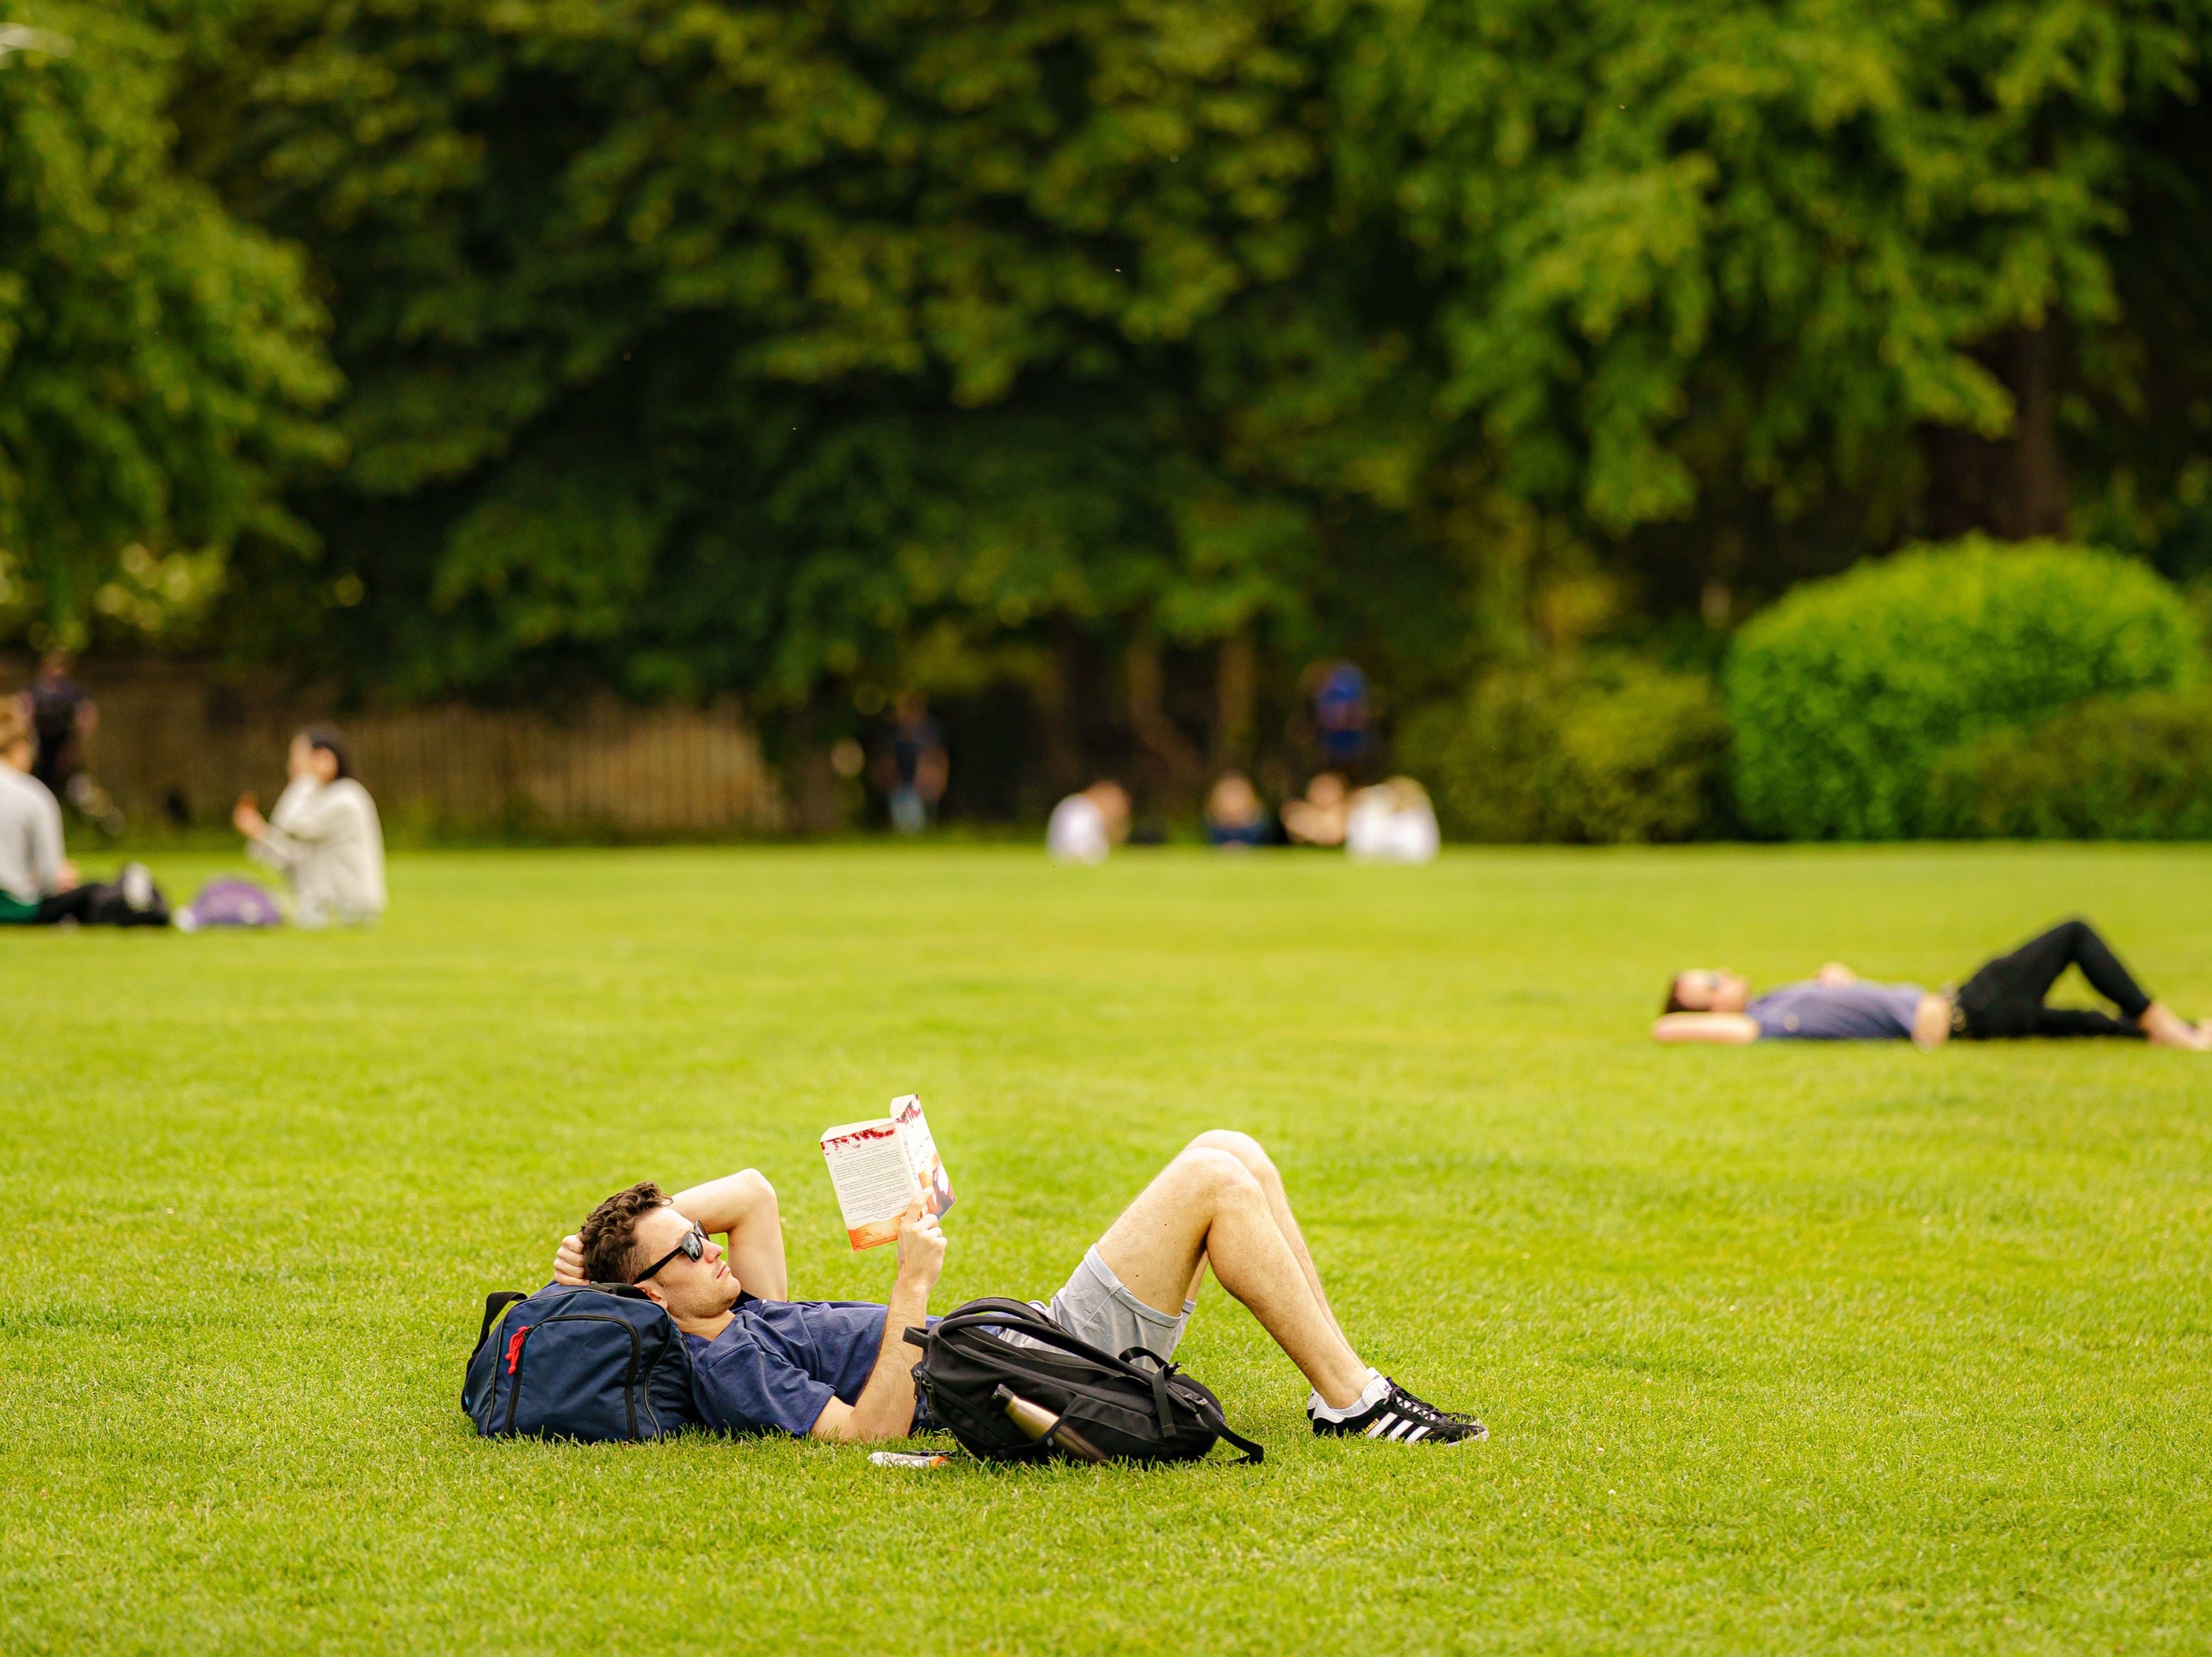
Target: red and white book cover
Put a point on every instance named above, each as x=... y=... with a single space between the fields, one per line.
x=878 y=1168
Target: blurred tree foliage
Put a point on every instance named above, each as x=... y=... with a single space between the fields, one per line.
x=1845 y=695
x=1138 y=352
x=1601 y=750
x=2114 y=767
x=160 y=362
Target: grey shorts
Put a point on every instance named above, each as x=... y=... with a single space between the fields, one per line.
x=1095 y=1307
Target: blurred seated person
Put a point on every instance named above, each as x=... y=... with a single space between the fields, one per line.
x=39 y=885
x=1085 y=827
x=1392 y=822
x=2004 y=1001
x=1318 y=819
x=323 y=836
x=1235 y=818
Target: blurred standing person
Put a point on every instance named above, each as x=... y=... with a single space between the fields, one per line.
x=920 y=767
x=39 y=885
x=1085 y=827
x=66 y=716
x=324 y=835
x=1342 y=713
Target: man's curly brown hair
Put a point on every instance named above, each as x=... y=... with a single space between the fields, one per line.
x=609 y=1236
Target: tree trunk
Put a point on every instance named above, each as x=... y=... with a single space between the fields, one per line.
x=1181 y=764
x=1235 y=687
x=2016 y=486
x=1058 y=700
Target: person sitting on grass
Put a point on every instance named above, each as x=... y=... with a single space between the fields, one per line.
x=324 y=833
x=39 y=885
x=842 y=1370
x=2002 y=1002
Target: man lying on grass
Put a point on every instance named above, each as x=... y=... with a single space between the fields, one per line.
x=841 y=1370
x=2003 y=1001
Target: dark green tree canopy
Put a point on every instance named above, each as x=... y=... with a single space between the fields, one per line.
x=707 y=345
x=159 y=361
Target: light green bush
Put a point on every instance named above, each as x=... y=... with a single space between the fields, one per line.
x=1609 y=752
x=1842 y=695
x=2120 y=768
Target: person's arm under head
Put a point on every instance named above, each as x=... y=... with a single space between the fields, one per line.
x=1727 y=1029
x=742 y=1205
x=885 y=1406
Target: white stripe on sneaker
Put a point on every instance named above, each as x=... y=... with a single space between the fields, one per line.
x=1380 y=1425
x=1414 y=1437
x=1402 y=1428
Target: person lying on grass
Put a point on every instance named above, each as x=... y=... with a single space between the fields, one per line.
x=841 y=1369
x=2002 y=1002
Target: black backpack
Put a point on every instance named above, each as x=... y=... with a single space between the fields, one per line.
x=590 y=1363
x=1135 y=1407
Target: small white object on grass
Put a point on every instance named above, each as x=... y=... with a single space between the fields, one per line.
x=899 y=1459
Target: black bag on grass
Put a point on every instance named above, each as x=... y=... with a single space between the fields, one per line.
x=1133 y=1408
x=590 y=1363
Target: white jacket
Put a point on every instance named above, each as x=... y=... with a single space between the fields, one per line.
x=326 y=838
x=30 y=836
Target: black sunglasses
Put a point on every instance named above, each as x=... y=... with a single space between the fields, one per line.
x=693 y=1245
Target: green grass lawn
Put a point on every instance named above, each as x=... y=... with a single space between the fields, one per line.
x=1786 y=1349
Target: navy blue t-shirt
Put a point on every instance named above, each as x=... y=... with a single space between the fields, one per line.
x=781 y=1362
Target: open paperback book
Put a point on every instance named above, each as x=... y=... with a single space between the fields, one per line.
x=878 y=1168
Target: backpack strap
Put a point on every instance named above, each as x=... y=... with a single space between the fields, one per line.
x=494 y=1305
x=1205 y=1408
x=1212 y=1416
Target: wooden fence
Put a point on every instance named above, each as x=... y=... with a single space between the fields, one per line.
x=175 y=745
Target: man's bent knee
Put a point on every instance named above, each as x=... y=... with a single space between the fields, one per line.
x=1243 y=1146
x=1221 y=1171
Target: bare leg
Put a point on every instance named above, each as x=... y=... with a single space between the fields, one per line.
x=1208 y=1207
x=744 y=1206
x=1247 y=1150
x=2166 y=1029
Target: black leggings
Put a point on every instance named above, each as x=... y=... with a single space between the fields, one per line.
x=2005 y=998
x=97 y=906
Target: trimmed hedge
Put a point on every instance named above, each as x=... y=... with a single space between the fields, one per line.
x=2121 y=768
x=1611 y=752
x=1844 y=694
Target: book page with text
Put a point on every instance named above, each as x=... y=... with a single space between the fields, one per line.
x=873 y=1181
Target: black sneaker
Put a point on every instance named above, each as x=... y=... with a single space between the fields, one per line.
x=1453 y=1415
x=1401 y=1418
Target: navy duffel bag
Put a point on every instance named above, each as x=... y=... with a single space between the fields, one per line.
x=603 y=1362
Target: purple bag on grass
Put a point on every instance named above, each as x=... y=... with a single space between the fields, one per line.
x=231 y=903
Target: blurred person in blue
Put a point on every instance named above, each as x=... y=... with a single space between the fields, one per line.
x=39 y=885
x=1342 y=715
x=918 y=766
x=1235 y=818
x=323 y=836
x=1087 y=825
x=2004 y=1001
